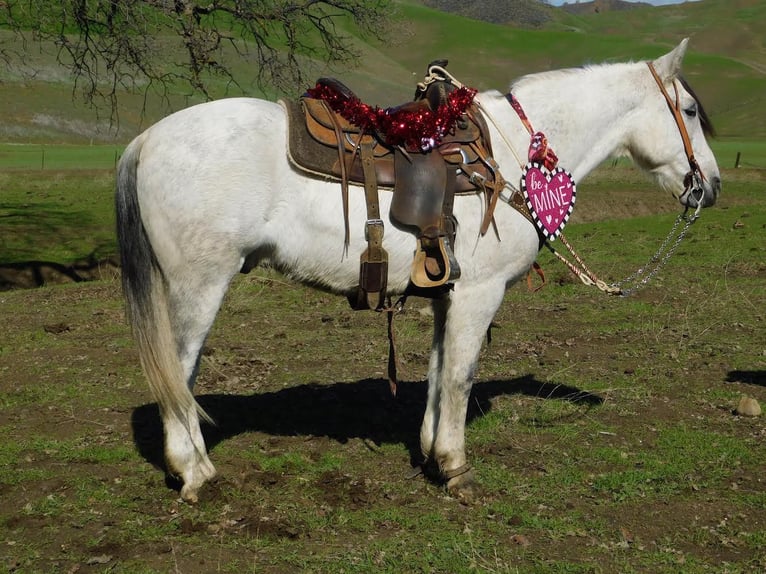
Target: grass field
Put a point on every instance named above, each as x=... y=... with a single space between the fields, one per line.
x=60 y=157
x=601 y=429
x=725 y=65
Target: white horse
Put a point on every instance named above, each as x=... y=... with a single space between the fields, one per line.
x=208 y=192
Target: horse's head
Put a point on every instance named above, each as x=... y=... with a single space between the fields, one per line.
x=673 y=145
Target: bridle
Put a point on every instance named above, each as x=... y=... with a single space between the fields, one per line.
x=694 y=178
x=692 y=186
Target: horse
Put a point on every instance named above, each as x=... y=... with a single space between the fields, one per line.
x=208 y=192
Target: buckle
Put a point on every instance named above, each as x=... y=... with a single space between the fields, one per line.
x=477 y=179
x=508 y=193
x=373 y=223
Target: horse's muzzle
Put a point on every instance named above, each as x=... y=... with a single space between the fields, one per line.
x=701 y=192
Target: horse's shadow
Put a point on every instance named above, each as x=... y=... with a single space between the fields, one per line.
x=339 y=411
x=747 y=377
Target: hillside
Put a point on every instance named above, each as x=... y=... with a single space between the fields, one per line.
x=525 y=13
x=726 y=62
x=601 y=6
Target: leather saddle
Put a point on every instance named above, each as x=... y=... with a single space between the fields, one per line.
x=423 y=181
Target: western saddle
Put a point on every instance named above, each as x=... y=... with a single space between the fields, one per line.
x=423 y=178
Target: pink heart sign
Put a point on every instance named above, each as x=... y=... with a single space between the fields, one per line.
x=550 y=197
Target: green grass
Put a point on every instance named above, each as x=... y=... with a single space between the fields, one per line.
x=68 y=213
x=34 y=157
x=725 y=64
x=752 y=153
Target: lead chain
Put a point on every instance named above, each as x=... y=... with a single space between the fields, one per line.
x=643 y=275
x=646 y=273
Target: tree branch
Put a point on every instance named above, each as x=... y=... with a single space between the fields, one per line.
x=171 y=46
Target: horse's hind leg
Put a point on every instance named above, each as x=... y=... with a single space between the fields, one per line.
x=193 y=305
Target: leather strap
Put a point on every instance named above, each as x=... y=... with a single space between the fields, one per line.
x=376 y=255
x=455 y=472
x=675 y=109
x=491 y=189
x=393 y=359
x=370 y=181
x=540 y=273
x=343 y=170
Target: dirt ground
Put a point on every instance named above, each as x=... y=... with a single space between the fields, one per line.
x=290 y=375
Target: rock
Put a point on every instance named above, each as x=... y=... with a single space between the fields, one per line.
x=748 y=407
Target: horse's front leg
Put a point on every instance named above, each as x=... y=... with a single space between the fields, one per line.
x=460 y=325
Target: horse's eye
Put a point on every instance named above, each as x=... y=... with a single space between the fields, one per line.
x=691 y=111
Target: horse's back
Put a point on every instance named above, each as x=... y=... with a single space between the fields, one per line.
x=224 y=148
x=217 y=131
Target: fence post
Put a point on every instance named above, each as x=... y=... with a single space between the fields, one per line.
x=736 y=162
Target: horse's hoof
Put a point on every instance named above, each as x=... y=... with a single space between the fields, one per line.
x=191 y=488
x=190 y=494
x=465 y=494
x=195 y=480
x=461 y=483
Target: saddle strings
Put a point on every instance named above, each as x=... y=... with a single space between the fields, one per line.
x=507 y=143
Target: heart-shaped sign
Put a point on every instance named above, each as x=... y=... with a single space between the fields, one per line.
x=550 y=197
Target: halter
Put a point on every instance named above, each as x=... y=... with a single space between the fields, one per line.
x=694 y=178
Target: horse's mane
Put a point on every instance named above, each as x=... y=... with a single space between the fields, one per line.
x=544 y=75
x=705 y=122
x=707 y=125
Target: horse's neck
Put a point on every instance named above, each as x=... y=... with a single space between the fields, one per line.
x=583 y=114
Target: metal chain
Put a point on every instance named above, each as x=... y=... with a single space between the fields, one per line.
x=644 y=274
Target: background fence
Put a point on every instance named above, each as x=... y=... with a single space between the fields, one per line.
x=58 y=157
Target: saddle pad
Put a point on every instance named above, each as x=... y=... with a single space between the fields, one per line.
x=308 y=154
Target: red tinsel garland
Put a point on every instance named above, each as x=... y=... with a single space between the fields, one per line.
x=421 y=129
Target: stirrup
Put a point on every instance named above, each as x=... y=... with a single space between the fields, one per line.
x=434 y=263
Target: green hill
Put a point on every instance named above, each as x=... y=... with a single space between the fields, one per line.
x=726 y=64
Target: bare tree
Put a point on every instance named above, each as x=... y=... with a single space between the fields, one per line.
x=114 y=45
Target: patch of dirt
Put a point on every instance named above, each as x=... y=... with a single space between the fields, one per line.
x=38 y=273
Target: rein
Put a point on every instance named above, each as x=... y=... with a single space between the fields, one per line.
x=692 y=185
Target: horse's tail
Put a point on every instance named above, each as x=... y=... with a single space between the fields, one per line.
x=146 y=297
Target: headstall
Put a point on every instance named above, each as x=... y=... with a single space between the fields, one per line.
x=695 y=177
x=540 y=151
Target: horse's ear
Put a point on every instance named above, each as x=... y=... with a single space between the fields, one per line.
x=669 y=65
